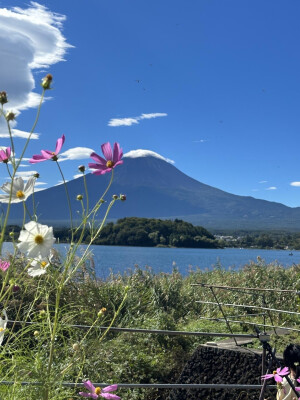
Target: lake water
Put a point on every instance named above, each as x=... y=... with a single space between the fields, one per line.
x=119 y=259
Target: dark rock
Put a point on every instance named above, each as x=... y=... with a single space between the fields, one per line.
x=220 y=366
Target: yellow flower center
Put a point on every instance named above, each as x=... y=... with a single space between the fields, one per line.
x=97 y=391
x=110 y=164
x=274 y=372
x=20 y=194
x=2 y=329
x=43 y=264
x=39 y=239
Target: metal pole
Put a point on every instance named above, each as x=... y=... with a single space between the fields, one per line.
x=221 y=309
x=245 y=306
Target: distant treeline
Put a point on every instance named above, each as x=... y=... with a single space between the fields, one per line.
x=177 y=233
x=156 y=232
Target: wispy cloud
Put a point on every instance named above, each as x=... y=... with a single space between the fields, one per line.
x=297 y=184
x=30 y=39
x=133 y=120
x=263 y=182
x=76 y=153
x=77 y=176
x=16 y=133
x=271 y=188
x=146 y=153
x=25 y=174
x=200 y=141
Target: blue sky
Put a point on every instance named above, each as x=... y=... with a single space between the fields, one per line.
x=212 y=85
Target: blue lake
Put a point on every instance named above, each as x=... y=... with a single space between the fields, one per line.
x=119 y=259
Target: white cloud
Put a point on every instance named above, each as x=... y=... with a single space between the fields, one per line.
x=76 y=153
x=122 y=121
x=152 y=115
x=263 y=182
x=25 y=174
x=146 y=153
x=17 y=133
x=78 y=176
x=297 y=184
x=30 y=39
x=271 y=188
x=61 y=182
x=200 y=141
x=133 y=120
x=39 y=183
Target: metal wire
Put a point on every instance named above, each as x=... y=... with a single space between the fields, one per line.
x=151 y=385
x=147 y=331
x=249 y=323
x=246 y=288
x=245 y=306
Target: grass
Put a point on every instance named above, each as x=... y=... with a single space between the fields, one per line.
x=162 y=301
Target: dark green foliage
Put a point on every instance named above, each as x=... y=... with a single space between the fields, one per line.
x=156 y=232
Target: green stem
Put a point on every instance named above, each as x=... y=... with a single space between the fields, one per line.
x=68 y=198
x=15 y=170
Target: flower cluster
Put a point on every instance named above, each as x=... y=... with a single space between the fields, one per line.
x=96 y=392
x=38 y=257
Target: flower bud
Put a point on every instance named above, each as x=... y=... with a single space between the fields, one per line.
x=3 y=98
x=42 y=313
x=16 y=288
x=115 y=197
x=102 y=311
x=36 y=175
x=127 y=288
x=36 y=333
x=79 y=197
x=76 y=346
x=122 y=197
x=47 y=81
x=12 y=234
x=102 y=201
x=81 y=168
x=10 y=116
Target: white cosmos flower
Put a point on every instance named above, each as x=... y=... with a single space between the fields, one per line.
x=3 y=323
x=36 y=240
x=39 y=265
x=19 y=191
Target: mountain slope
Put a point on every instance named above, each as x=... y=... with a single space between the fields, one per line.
x=157 y=189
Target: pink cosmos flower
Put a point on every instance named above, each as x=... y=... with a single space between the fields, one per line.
x=96 y=392
x=298 y=388
x=277 y=375
x=5 y=154
x=112 y=159
x=47 y=154
x=4 y=265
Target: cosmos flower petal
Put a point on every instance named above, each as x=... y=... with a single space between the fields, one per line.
x=278 y=378
x=110 y=388
x=59 y=144
x=3 y=323
x=106 y=150
x=89 y=386
x=283 y=372
x=91 y=395
x=47 y=154
x=36 y=271
x=97 y=166
x=98 y=159
x=117 y=152
x=110 y=396
x=37 y=158
x=30 y=184
x=18 y=184
x=101 y=172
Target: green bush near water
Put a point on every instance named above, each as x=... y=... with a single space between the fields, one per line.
x=162 y=301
